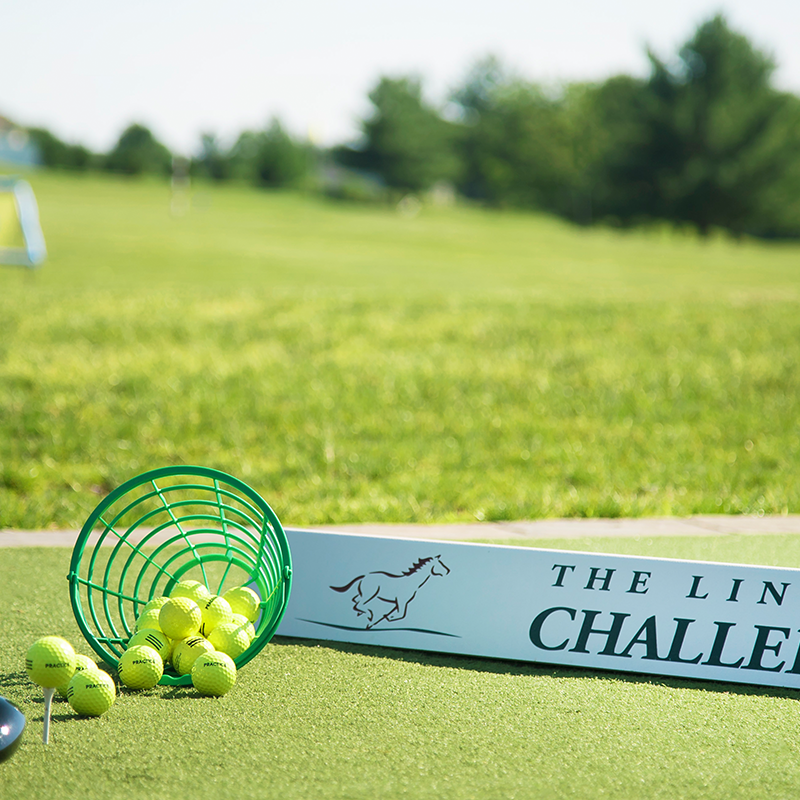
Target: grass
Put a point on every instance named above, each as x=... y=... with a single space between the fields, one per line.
x=355 y=365
x=309 y=719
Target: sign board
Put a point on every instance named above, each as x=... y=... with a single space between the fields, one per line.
x=690 y=619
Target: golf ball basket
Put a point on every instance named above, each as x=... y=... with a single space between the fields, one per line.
x=165 y=526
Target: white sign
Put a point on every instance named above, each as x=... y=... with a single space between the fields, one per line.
x=692 y=619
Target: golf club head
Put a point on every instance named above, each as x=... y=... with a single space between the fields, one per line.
x=12 y=723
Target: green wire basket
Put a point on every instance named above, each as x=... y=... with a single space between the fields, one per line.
x=168 y=525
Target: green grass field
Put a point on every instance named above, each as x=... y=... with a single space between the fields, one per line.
x=353 y=364
x=314 y=720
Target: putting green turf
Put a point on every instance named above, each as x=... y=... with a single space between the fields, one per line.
x=353 y=365
x=308 y=719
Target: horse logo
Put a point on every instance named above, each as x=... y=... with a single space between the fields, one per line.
x=383 y=596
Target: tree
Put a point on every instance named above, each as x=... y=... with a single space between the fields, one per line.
x=406 y=141
x=280 y=160
x=607 y=128
x=716 y=139
x=521 y=145
x=477 y=94
x=271 y=158
x=57 y=153
x=137 y=152
x=212 y=162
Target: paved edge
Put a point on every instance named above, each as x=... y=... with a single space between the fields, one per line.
x=701 y=525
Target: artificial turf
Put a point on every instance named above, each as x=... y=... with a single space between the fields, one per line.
x=308 y=719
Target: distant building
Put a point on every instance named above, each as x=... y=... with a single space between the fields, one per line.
x=16 y=146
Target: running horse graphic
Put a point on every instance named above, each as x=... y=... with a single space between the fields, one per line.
x=385 y=596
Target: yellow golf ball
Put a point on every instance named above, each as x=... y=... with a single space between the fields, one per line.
x=140 y=667
x=81 y=663
x=180 y=617
x=152 y=638
x=245 y=624
x=215 y=611
x=50 y=661
x=155 y=603
x=243 y=600
x=148 y=620
x=213 y=674
x=194 y=590
x=187 y=651
x=230 y=639
x=91 y=692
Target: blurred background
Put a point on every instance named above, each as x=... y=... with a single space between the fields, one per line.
x=684 y=111
x=426 y=262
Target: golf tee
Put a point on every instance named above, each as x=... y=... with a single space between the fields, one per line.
x=48 y=702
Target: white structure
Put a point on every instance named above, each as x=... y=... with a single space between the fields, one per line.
x=721 y=622
x=21 y=238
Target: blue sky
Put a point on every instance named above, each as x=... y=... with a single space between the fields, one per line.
x=87 y=69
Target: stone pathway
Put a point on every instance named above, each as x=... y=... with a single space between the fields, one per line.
x=703 y=525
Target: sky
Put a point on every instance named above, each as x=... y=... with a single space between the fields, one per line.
x=87 y=69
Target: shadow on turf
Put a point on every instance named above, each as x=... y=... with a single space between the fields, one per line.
x=18 y=678
x=182 y=693
x=499 y=667
x=70 y=716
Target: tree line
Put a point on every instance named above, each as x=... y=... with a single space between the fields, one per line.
x=705 y=140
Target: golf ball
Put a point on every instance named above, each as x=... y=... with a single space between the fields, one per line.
x=180 y=617
x=152 y=638
x=213 y=674
x=50 y=661
x=215 y=611
x=148 y=620
x=243 y=600
x=81 y=663
x=229 y=638
x=140 y=667
x=245 y=624
x=194 y=590
x=187 y=651
x=91 y=692
x=154 y=604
